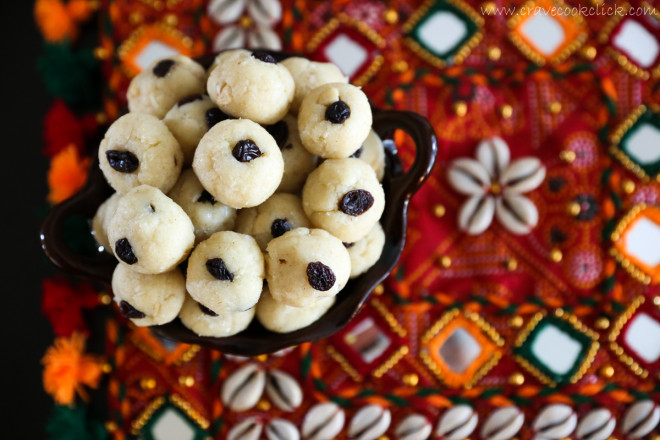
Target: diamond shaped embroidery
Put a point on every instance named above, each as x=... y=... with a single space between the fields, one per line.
x=545 y=36
x=557 y=349
x=351 y=45
x=460 y=348
x=635 y=338
x=443 y=31
x=167 y=420
x=636 y=143
x=634 y=41
x=149 y=43
x=637 y=243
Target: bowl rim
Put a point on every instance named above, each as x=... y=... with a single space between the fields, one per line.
x=399 y=187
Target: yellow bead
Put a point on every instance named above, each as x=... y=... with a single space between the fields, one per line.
x=590 y=52
x=350 y=338
x=488 y=8
x=245 y=22
x=106 y=368
x=105 y=298
x=135 y=17
x=602 y=323
x=516 y=321
x=445 y=262
x=506 y=111
x=656 y=300
x=261 y=357
x=556 y=255
x=101 y=118
x=263 y=405
x=379 y=289
x=511 y=264
x=411 y=379
x=439 y=211
x=628 y=186
x=573 y=208
x=494 y=53
x=554 y=107
x=171 y=20
x=159 y=5
x=567 y=156
x=110 y=426
x=517 y=379
x=101 y=53
x=148 y=383
x=187 y=381
x=391 y=16
x=460 y=108
x=399 y=66
x=607 y=371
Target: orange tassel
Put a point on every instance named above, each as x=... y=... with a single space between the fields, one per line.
x=67 y=174
x=54 y=21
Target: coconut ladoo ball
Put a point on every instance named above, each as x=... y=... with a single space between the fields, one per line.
x=366 y=252
x=156 y=89
x=305 y=265
x=252 y=85
x=207 y=214
x=281 y=318
x=372 y=152
x=239 y=163
x=101 y=221
x=138 y=149
x=226 y=272
x=189 y=119
x=205 y=322
x=148 y=299
x=344 y=197
x=298 y=162
x=334 y=119
x=279 y=214
x=308 y=75
x=149 y=232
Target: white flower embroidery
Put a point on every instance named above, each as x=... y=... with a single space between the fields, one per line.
x=248 y=23
x=495 y=187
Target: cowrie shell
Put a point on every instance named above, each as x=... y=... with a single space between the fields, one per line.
x=554 y=422
x=598 y=424
x=494 y=154
x=248 y=429
x=468 y=177
x=280 y=429
x=516 y=213
x=265 y=12
x=640 y=418
x=323 y=422
x=225 y=11
x=283 y=390
x=243 y=388
x=369 y=423
x=503 y=423
x=457 y=423
x=476 y=214
x=523 y=175
x=413 y=427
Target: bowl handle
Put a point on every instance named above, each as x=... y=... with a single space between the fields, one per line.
x=84 y=203
x=426 y=148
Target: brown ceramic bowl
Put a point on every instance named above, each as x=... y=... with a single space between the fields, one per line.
x=255 y=340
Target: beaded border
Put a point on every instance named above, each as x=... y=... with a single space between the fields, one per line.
x=619 y=154
x=529 y=51
x=621 y=258
x=578 y=326
x=465 y=49
x=176 y=400
x=616 y=348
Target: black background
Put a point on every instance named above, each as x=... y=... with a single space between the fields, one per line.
x=25 y=332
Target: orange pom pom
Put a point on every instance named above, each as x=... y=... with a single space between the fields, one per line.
x=67 y=174
x=53 y=20
x=80 y=10
x=67 y=369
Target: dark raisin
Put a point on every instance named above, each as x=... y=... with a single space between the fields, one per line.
x=205 y=310
x=356 y=202
x=122 y=161
x=124 y=251
x=357 y=153
x=264 y=56
x=189 y=99
x=129 y=311
x=337 y=112
x=206 y=197
x=215 y=115
x=217 y=268
x=246 y=150
x=320 y=276
x=280 y=132
x=348 y=245
x=279 y=227
x=163 y=68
